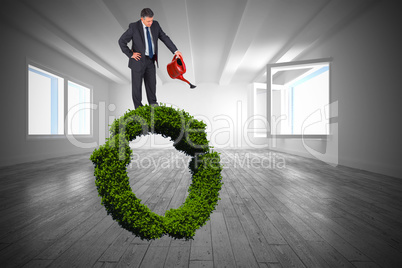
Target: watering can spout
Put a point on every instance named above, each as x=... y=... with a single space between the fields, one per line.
x=177 y=68
x=185 y=80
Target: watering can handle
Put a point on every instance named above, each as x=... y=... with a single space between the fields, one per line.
x=174 y=56
x=182 y=62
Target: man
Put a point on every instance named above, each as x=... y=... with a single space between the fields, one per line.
x=144 y=35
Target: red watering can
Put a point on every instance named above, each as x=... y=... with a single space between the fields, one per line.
x=177 y=68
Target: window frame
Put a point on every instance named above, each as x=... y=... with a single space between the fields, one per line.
x=269 y=104
x=67 y=78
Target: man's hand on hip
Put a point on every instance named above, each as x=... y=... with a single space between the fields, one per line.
x=136 y=56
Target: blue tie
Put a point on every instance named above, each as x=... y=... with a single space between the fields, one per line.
x=151 y=53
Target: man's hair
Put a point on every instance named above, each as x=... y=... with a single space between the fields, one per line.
x=147 y=12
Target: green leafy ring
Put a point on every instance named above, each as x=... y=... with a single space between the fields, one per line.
x=112 y=181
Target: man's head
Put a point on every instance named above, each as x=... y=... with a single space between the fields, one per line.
x=147 y=17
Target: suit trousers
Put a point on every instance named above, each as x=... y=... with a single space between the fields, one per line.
x=149 y=75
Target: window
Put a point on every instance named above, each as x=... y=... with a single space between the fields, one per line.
x=299 y=98
x=45 y=102
x=47 y=99
x=79 y=113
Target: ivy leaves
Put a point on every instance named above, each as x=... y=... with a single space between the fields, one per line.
x=112 y=182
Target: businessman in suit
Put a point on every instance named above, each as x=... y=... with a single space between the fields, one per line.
x=144 y=35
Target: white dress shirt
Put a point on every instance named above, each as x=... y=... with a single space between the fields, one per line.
x=146 y=40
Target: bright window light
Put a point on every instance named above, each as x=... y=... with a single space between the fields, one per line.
x=300 y=99
x=45 y=102
x=79 y=112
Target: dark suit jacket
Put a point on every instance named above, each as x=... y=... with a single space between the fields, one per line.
x=135 y=34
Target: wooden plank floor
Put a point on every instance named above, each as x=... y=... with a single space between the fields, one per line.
x=276 y=210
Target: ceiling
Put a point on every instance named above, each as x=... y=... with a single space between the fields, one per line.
x=222 y=41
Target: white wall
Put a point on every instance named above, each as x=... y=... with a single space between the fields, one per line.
x=222 y=108
x=15 y=48
x=366 y=72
